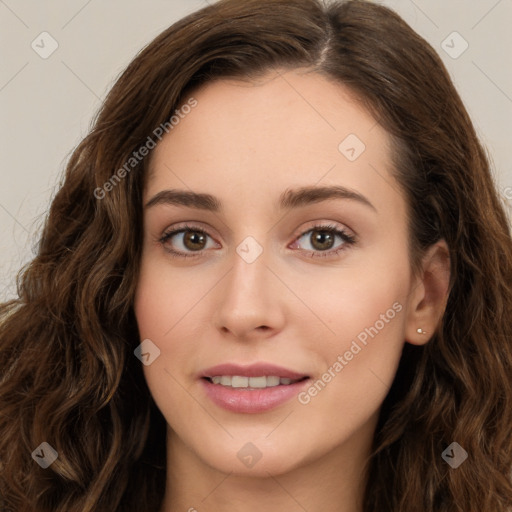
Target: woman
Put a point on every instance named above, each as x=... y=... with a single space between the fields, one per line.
x=284 y=213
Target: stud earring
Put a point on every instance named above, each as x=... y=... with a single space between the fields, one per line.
x=421 y=331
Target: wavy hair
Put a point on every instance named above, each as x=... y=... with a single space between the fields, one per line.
x=68 y=375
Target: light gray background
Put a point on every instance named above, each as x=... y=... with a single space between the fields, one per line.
x=47 y=104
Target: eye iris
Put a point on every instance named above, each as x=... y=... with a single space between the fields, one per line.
x=322 y=238
x=194 y=238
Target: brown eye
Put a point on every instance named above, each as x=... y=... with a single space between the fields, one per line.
x=185 y=241
x=194 y=240
x=322 y=240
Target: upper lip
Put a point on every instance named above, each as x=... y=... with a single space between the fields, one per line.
x=252 y=370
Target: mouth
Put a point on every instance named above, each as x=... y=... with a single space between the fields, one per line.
x=251 y=389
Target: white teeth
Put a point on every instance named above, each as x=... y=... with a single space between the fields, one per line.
x=273 y=381
x=237 y=381
x=258 y=382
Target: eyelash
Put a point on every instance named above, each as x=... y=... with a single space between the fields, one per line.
x=347 y=239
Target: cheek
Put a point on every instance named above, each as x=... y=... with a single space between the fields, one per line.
x=366 y=295
x=170 y=311
x=159 y=304
x=365 y=312
x=167 y=298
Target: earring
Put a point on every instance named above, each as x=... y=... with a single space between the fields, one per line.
x=421 y=331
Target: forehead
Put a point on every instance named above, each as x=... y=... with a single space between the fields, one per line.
x=286 y=129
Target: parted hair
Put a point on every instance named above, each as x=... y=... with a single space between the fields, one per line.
x=68 y=375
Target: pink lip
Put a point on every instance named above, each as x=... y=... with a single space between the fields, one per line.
x=251 y=400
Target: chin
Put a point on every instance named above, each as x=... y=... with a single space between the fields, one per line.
x=252 y=453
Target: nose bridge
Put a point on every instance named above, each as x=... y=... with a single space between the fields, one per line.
x=249 y=297
x=248 y=278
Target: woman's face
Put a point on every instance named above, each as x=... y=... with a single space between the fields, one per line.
x=261 y=286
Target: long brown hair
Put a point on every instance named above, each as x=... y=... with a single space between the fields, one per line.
x=68 y=375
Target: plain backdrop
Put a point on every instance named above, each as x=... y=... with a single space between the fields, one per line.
x=47 y=104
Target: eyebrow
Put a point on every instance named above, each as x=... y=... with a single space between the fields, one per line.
x=289 y=199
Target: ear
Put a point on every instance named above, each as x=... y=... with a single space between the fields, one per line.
x=429 y=294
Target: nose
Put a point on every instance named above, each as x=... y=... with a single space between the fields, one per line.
x=251 y=300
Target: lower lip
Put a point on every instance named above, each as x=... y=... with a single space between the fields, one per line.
x=245 y=400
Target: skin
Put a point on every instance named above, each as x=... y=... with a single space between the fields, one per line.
x=246 y=143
